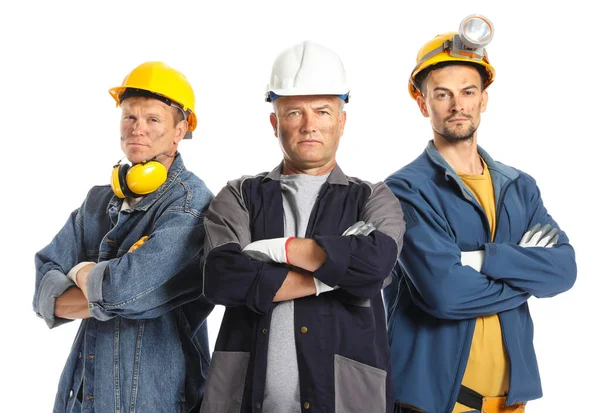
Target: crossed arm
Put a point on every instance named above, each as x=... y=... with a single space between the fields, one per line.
x=72 y=305
x=164 y=269
x=238 y=272
x=445 y=282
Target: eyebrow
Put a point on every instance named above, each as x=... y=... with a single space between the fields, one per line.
x=149 y=114
x=296 y=107
x=325 y=106
x=448 y=90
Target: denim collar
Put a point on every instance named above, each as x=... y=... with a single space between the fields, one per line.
x=336 y=177
x=177 y=167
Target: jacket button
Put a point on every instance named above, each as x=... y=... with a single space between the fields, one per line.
x=79 y=355
x=303 y=330
x=306 y=405
x=258 y=405
x=70 y=394
x=264 y=330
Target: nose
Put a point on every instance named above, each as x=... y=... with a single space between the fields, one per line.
x=309 y=123
x=458 y=104
x=138 y=127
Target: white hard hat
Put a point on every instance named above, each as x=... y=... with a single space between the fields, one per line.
x=307 y=69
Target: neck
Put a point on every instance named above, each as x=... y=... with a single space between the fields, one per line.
x=290 y=169
x=166 y=159
x=462 y=156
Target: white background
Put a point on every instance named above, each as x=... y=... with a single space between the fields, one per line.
x=59 y=133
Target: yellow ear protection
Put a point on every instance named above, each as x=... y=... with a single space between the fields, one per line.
x=139 y=179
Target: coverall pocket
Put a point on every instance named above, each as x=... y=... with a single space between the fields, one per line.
x=225 y=383
x=359 y=388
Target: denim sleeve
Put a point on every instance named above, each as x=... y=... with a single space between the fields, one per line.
x=542 y=272
x=359 y=264
x=439 y=284
x=231 y=277
x=160 y=275
x=53 y=263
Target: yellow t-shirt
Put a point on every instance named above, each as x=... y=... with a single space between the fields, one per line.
x=488 y=367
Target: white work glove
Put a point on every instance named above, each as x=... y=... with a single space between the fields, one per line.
x=540 y=236
x=269 y=250
x=322 y=287
x=360 y=228
x=473 y=259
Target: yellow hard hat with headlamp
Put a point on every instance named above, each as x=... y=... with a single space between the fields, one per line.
x=466 y=45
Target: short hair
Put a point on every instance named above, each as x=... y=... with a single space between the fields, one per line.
x=422 y=75
x=342 y=103
x=178 y=114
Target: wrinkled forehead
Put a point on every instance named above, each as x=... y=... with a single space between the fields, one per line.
x=145 y=104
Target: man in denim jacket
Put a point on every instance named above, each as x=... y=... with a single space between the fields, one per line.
x=126 y=264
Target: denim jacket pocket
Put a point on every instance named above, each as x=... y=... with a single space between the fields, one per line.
x=359 y=388
x=225 y=383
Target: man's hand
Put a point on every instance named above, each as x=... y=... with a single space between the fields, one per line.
x=81 y=277
x=360 y=228
x=269 y=250
x=540 y=236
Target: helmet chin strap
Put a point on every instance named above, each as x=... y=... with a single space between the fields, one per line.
x=155 y=158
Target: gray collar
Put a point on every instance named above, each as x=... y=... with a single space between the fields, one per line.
x=336 y=177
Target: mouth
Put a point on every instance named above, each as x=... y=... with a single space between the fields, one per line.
x=459 y=118
x=310 y=142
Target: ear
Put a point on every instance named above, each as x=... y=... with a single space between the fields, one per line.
x=180 y=131
x=342 y=122
x=273 y=119
x=484 y=101
x=422 y=106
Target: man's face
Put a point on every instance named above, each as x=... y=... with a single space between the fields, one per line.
x=148 y=129
x=454 y=101
x=309 y=130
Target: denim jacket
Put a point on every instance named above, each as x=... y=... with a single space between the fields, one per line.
x=145 y=348
x=435 y=300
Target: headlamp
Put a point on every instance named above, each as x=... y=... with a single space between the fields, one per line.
x=474 y=33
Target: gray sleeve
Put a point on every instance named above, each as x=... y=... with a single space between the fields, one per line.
x=383 y=210
x=227 y=219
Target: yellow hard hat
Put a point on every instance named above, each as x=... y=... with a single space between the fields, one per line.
x=160 y=79
x=455 y=47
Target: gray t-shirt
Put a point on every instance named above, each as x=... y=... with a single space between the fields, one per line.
x=282 y=387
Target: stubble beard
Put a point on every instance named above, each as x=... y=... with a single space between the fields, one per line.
x=458 y=135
